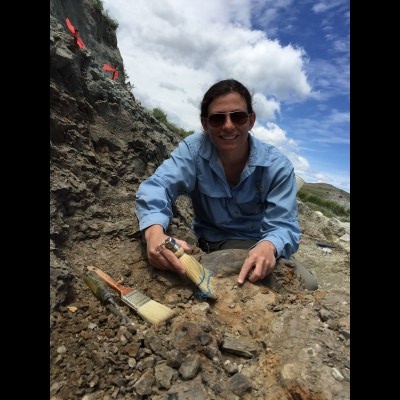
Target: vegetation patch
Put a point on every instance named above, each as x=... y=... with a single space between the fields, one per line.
x=327 y=207
x=161 y=116
x=99 y=6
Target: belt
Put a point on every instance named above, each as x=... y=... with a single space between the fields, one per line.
x=208 y=247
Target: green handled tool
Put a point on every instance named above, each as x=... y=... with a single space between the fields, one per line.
x=107 y=297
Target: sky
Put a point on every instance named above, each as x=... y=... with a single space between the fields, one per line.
x=293 y=56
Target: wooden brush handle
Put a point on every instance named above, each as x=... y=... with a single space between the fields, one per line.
x=122 y=290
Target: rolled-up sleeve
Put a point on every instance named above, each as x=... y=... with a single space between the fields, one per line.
x=279 y=224
x=157 y=194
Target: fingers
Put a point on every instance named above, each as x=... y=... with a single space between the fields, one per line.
x=184 y=246
x=255 y=268
x=162 y=258
x=246 y=268
x=252 y=273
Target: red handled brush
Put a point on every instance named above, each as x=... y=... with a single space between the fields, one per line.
x=150 y=310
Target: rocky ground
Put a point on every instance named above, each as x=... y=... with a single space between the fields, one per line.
x=271 y=340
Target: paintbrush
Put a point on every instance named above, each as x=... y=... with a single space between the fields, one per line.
x=201 y=276
x=150 y=310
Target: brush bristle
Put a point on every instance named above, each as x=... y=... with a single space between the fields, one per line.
x=154 y=312
x=150 y=310
x=201 y=276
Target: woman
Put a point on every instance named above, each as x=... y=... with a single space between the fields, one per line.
x=243 y=190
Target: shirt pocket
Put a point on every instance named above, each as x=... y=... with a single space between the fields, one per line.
x=212 y=202
x=252 y=206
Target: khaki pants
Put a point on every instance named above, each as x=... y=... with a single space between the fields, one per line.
x=310 y=282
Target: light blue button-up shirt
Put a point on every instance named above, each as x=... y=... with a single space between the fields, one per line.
x=262 y=206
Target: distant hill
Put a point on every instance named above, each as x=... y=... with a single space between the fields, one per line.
x=326 y=198
x=328 y=192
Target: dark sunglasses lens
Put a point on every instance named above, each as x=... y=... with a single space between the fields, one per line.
x=239 y=117
x=216 y=120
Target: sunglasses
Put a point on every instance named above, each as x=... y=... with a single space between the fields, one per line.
x=236 y=117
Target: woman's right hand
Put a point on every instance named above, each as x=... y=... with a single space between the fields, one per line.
x=158 y=255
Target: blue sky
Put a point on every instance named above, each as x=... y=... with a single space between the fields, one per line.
x=293 y=55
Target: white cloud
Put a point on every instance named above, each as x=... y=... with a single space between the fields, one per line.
x=173 y=53
x=273 y=134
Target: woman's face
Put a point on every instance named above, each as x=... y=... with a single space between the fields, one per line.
x=229 y=136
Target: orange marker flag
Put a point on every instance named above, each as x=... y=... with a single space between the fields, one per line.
x=78 y=41
x=115 y=74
